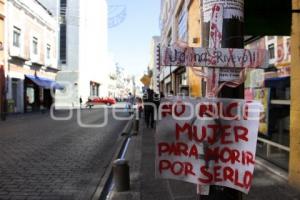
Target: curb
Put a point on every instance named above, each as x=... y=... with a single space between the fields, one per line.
x=106 y=178
x=127 y=129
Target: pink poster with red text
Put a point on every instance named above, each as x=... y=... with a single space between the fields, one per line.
x=207 y=141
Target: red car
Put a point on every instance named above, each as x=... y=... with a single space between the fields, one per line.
x=107 y=100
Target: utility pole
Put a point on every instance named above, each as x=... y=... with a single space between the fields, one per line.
x=232 y=36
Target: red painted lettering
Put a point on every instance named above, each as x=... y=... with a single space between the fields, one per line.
x=186 y=128
x=166 y=109
x=248 y=177
x=177 y=168
x=225 y=134
x=240 y=133
x=163 y=148
x=228 y=174
x=208 y=176
x=194 y=152
x=183 y=108
x=213 y=137
x=236 y=179
x=164 y=165
x=189 y=169
x=225 y=155
x=217 y=174
x=249 y=158
x=235 y=157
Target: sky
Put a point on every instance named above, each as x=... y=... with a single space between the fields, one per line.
x=129 y=42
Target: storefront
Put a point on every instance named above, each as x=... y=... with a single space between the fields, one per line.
x=273 y=90
x=181 y=85
x=37 y=93
x=274 y=141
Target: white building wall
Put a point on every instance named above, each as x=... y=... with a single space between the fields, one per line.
x=52 y=6
x=87 y=52
x=93 y=46
x=31 y=19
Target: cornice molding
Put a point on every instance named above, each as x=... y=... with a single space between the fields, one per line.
x=29 y=12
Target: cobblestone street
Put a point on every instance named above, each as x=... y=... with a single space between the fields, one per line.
x=46 y=159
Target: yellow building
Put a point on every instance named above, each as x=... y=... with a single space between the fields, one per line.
x=194 y=40
x=294 y=169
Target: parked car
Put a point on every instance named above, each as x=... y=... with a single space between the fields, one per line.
x=106 y=100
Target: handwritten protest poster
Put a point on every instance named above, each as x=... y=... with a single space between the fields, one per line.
x=212 y=57
x=207 y=141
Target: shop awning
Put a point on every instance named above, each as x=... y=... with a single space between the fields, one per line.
x=278 y=82
x=45 y=82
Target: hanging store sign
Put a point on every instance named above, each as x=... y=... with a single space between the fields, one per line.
x=208 y=141
x=146 y=80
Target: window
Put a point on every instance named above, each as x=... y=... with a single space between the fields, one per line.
x=63 y=44
x=271 y=51
x=48 y=53
x=35 y=45
x=182 y=25
x=63 y=32
x=169 y=39
x=16 y=37
x=183 y=79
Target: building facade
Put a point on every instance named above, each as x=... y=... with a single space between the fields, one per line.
x=83 y=54
x=271 y=86
x=31 y=52
x=180 y=22
x=153 y=65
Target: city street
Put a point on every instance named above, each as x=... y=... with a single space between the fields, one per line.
x=151 y=99
x=46 y=159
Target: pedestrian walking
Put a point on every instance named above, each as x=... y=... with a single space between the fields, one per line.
x=139 y=103
x=89 y=104
x=130 y=102
x=149 y=108
x=156 y=101
x=80 y=102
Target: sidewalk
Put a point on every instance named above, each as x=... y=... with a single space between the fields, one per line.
x=144 y=185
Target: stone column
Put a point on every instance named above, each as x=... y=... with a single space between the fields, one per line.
x=294 y=163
